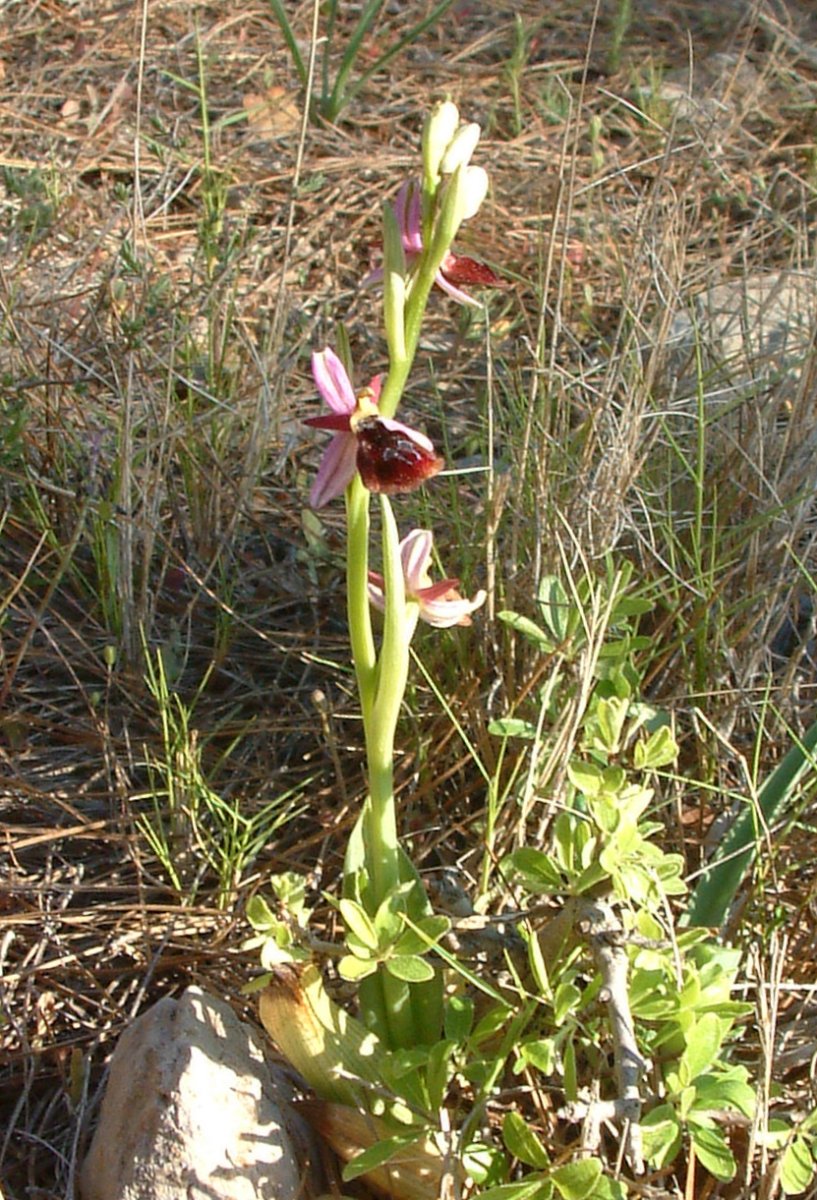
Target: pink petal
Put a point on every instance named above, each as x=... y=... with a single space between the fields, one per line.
x=454 y=292
x=337 y=470
x=415 y=553
x=377 y=590
x=336 y=422
x=332 y=381
x=407 y=210
x=445 y=613
x=375 y=276
x=438 y=591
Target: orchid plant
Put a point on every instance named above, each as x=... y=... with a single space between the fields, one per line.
x=388 y=919
x=381 y=1079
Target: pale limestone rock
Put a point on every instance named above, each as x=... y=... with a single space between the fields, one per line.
x=193 y=1112
x=752 y=330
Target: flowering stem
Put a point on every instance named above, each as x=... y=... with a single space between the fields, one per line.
x=415 y=305
x=387 y=1000
x=357 y=595
x=381 y=847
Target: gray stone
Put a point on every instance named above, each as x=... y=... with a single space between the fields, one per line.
x=711 y=95
x=753 y=334
x=192 y=1111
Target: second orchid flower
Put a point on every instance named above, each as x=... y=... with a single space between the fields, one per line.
x=390 y=456
x=439 y=603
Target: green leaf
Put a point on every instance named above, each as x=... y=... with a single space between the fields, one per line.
x=704 y=1040
x=684 y=1097
x=279 y=13
x=281 y=949
x=576 y=1180
x=532 y=1188
x=258 y=984
x=658 y=750
x=610 y=716
x=260 y=915
x=359 y=923
x=388 y=925
x=459 y=1018
x=620 y=649
x=777 y=1135
x=661 y=1136
x=569 y=1071
x=711 y=1148
x=528 y=629
x=402 y=1062
x=555 y=607
x=586 y=777
x=796 y=1167
x=570 y=837
x=610 y=1189
x=512 y=727
x=290 y=888
x=539 y=872
x=540 y=1053
x=377 y=1155
x=410 y=968
x=354 y=969
x=539 y=969
x=490 y=1025
x=411 y=941
x=614 y=780
x=720 y=881
x=632 y=606
x=522 y=1142
x=438 y=1073
x=723 y=1092
x=566 y=997
x=487 y=1165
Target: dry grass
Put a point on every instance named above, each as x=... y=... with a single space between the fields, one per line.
x=157 y=315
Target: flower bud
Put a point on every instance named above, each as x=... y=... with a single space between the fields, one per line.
x=466 y=191
x=460 y=148
x=439 y=130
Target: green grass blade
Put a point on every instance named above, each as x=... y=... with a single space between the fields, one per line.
x=329 y=36
x=406 y=40
x=719 y=883
x=336 y=101
x=289 y=37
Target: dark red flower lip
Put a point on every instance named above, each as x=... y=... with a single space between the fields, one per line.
x=460 y=269
x=391 y=461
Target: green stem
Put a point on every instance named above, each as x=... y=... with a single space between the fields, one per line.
x=428 y=265
x=357 y=596
x=382 y=848
x=386 y=995
x=382 y=679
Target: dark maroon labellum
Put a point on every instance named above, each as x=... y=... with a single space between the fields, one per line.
x=390 y=461
x=459 y=269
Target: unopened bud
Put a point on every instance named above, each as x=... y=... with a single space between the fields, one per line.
x=460 y=148
x=469 y=187
x=438 y=133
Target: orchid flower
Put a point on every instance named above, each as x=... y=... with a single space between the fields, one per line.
x=390 y=456
x=440 y=603
x=455 y=268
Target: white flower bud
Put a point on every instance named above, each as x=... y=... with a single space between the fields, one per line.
x=439 y=130
x=470 y=187
x=460 y=148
